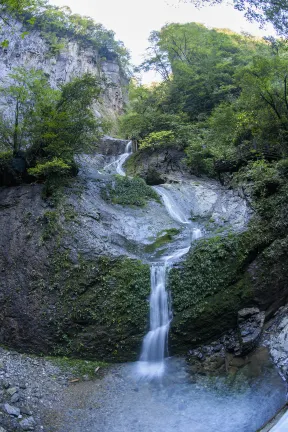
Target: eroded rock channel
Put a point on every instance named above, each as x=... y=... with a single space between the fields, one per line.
x=75 y=281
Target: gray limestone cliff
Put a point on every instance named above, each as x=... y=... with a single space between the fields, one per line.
x=72 y=60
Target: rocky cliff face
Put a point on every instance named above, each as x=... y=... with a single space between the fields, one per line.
x=74 y=274
x=71 y=281
x=34 y=51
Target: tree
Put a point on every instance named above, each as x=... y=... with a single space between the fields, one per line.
x=22 y=94
x=262 y=11
x=67 y=126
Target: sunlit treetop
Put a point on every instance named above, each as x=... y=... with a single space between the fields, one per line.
x=262 y=11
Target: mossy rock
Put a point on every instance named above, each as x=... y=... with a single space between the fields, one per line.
x=129 y=192
x=101 y=308
x=215 y=281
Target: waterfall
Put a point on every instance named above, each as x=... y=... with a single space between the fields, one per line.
x=155 y=343
x=171 y=206
x=122 y=159
x=117 y=164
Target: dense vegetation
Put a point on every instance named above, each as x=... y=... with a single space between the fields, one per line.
x=42 y=129
x=222 y=95
x=129 y=191
x=261 y=11
x=57 y=24
x=223 y=102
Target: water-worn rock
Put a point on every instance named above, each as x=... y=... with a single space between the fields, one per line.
x=275 y=338
x=12 y=410
x=15 y=398
x=11 y=391
x=63 y=300
x=250 y=326
x=155 y=166
x=28 y=424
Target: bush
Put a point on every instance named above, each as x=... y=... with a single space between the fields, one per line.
x=54 y=168
x=129 y=191
x=8 y=175
x=158 y=139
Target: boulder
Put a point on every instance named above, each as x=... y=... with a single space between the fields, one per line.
x=250 y=326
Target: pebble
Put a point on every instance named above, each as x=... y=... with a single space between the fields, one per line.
x=12 y=410
x=6 y=384
x=28 y=424
x=15 y=398
x=25 y=410
x=2 y=429
x=12 y=390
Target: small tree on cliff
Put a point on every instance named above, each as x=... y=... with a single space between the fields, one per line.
x=21 y=97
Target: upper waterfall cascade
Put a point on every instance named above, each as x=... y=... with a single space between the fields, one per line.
x=118 y=163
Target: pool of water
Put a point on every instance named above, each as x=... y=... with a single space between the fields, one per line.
x=123 y=402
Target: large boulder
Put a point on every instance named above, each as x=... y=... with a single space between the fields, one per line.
x=250 y=326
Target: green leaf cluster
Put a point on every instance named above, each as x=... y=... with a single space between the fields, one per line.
x=47 y=127
x=224 y=97
x=129 y=192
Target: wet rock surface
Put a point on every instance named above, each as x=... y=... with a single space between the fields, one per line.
x=275 y=337
x=250 y=326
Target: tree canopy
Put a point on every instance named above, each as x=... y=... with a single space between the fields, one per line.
x=262 y=11
x=222 y=94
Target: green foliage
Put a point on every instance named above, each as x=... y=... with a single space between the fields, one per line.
x=49 y=126
x=58 y=23
x=263 y=177
x=261 y=11
x=212 y=284
x=164 y=237
x=55 y=167
x=24 y=93
x=51 y=225
x=199 y=156
x=158 y=139
x=67 y=126
x=78 y=368
x=224 y=92
x=102 y=310
x=129 y=191
x=16 y=7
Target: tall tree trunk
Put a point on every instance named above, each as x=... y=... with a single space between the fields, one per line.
x=15 y=134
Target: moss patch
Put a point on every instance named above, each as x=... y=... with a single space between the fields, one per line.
x=78 y=368
x=102 y=307
x=164 y=237
x=212 y=285
x=129 y=191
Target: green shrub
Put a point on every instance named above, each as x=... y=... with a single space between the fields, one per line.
x=54 y=168
x=158 y=139
x=129 y=191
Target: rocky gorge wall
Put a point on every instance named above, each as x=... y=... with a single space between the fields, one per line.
x=71 y=279
x=73 y=60
x=75 y=276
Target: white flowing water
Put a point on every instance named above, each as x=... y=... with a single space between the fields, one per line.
x=173 y=209
x=118 y=163
x=155 y=343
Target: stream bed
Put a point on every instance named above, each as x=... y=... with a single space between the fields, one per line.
x=123 y=402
